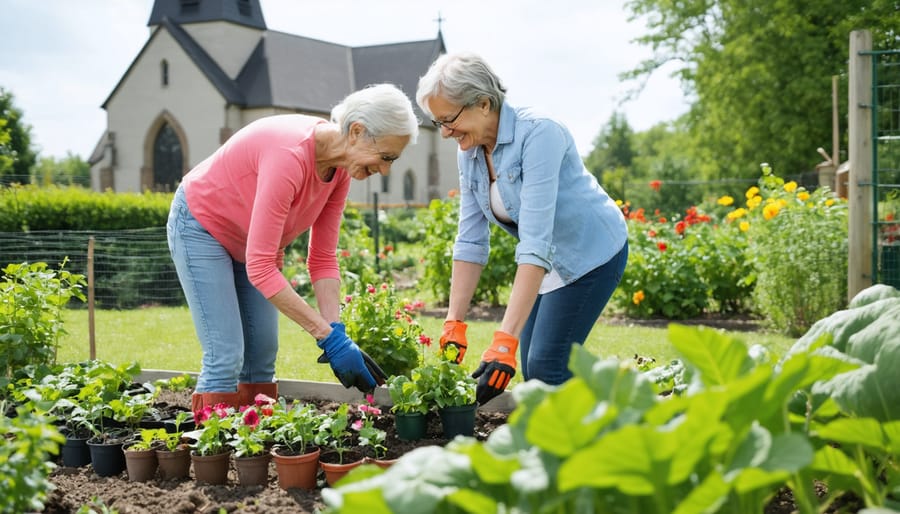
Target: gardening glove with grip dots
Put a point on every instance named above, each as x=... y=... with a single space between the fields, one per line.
x=454 y=336
x=498 y=366
x=352 y=366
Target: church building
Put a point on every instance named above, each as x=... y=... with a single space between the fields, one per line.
x=209 y=67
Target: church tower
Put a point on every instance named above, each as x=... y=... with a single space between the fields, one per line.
x=242 y=12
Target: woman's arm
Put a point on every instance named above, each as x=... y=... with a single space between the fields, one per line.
x=295 y=307
x=463 y=281
x=525 y=288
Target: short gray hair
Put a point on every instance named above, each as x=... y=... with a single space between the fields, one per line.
x=382 y=108
x=463 y=78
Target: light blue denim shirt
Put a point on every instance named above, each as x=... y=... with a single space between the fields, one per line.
x=562 y=217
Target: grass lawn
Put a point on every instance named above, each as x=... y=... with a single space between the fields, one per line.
x=164 y=338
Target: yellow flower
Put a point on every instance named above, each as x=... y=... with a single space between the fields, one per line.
x=790 y=187
x=740 y=212
x=803 y=196
x=753 y=191
x=619 y=203
x=637 y=297
x=829 y=202
x=725 y=200
x=770 y=211
x=398 y=331
x=754 y=202
x=744 y=226
x=782 y=203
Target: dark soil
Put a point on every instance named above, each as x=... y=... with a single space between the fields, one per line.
x=76 y=487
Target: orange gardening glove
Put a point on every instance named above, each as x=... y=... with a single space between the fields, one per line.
x=498 y=366
x=453 y=340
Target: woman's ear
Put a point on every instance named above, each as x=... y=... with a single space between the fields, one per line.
x=357 y=130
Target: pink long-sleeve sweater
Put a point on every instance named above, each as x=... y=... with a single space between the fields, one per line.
x=260 y=190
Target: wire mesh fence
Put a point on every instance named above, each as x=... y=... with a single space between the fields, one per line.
x=132 y=268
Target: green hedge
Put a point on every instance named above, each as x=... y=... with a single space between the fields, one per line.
x=30 y=208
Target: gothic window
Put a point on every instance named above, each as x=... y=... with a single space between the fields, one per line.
x=167 y=159
x=409 y=186
x=164 y=72
x=385 y=184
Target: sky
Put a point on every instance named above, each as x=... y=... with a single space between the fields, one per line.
x=62 y=58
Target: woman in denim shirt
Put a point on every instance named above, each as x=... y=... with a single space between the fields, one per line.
x=521 y=171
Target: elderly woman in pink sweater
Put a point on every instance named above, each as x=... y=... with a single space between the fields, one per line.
x=234 y=214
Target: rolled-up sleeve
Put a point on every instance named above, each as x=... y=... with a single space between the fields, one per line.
x=473 y=238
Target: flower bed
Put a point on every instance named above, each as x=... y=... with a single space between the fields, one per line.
x=77 y=486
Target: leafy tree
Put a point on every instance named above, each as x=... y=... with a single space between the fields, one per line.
x=612 y=146
x=760 y=75
x=16 y=155
x=71 y=170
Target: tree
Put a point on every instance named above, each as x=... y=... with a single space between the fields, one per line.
x=612 y=154
x=760 y=73
x=16 y=155
x=71 y=171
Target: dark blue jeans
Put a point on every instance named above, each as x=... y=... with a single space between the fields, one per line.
x=565 y=317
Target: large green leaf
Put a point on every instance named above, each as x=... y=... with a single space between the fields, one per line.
x=719 y=358
x=564 y=423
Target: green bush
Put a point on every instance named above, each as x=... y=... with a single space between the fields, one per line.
x=29 y=441
x=32 y=297
x=440 y=222
x=31 y=208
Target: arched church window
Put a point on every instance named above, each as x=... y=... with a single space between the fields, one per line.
x=409 y=186
x=167 y=159
x=385 y=184
x=164 y=72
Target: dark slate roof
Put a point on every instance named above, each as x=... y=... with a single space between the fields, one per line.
x=400 y=64
x=296 y=72
x=242 y=12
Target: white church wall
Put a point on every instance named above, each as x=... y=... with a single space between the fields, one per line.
x=189 y=98
x=229 y=44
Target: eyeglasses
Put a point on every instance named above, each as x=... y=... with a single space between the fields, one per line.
x=384 y=157
x=446 y=124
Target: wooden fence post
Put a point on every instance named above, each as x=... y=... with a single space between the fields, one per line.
x=859 y=265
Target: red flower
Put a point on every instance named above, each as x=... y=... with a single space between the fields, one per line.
x=651 y=233
x=251 y=418
x=370 y=288
x=655 y=185
x=388 y=248
x=662 y=246
x=679 y=227
x=263 y=399
x=424 y=340
x=345 y=253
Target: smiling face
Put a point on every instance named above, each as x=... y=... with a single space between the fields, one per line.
x=468 y=125
x=369 y=155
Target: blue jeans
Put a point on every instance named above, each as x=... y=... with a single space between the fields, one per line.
x=563 y=318
x=237 y=326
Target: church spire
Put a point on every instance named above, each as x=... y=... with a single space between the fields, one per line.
x=242 y=12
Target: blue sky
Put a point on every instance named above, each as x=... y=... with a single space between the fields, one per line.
x=63 y=57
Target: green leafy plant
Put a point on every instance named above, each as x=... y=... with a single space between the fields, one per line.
x=406 y=396
x=384 y=326
x=29 y=440
x=176 y=383
x=216 y=425
x=249 y=435
x=446 y=384
x=370 y=436
x=149 y=439
x=174 y=440
x=294 y=426
x=32 y=297
x=334 y=430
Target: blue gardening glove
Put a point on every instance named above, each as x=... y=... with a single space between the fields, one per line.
x=497 y=368
x=352 y=366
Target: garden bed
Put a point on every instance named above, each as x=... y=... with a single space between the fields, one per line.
x=76 y=487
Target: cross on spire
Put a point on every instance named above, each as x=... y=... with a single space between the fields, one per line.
x=440 y=19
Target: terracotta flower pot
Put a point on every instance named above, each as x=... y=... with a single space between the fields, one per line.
x=253 y=470
x=296 y=470
x=174 y=464
x=335 y=469
x=211 y=469
x=141 y=464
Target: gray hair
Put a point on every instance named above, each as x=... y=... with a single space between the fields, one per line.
x=462 y=78
x=382 y=108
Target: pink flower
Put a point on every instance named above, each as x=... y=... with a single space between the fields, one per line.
x=348 y=299
x=370 y=288
x=357 y=425
x=424 y=340
x=262 y=399
x=370 y=398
